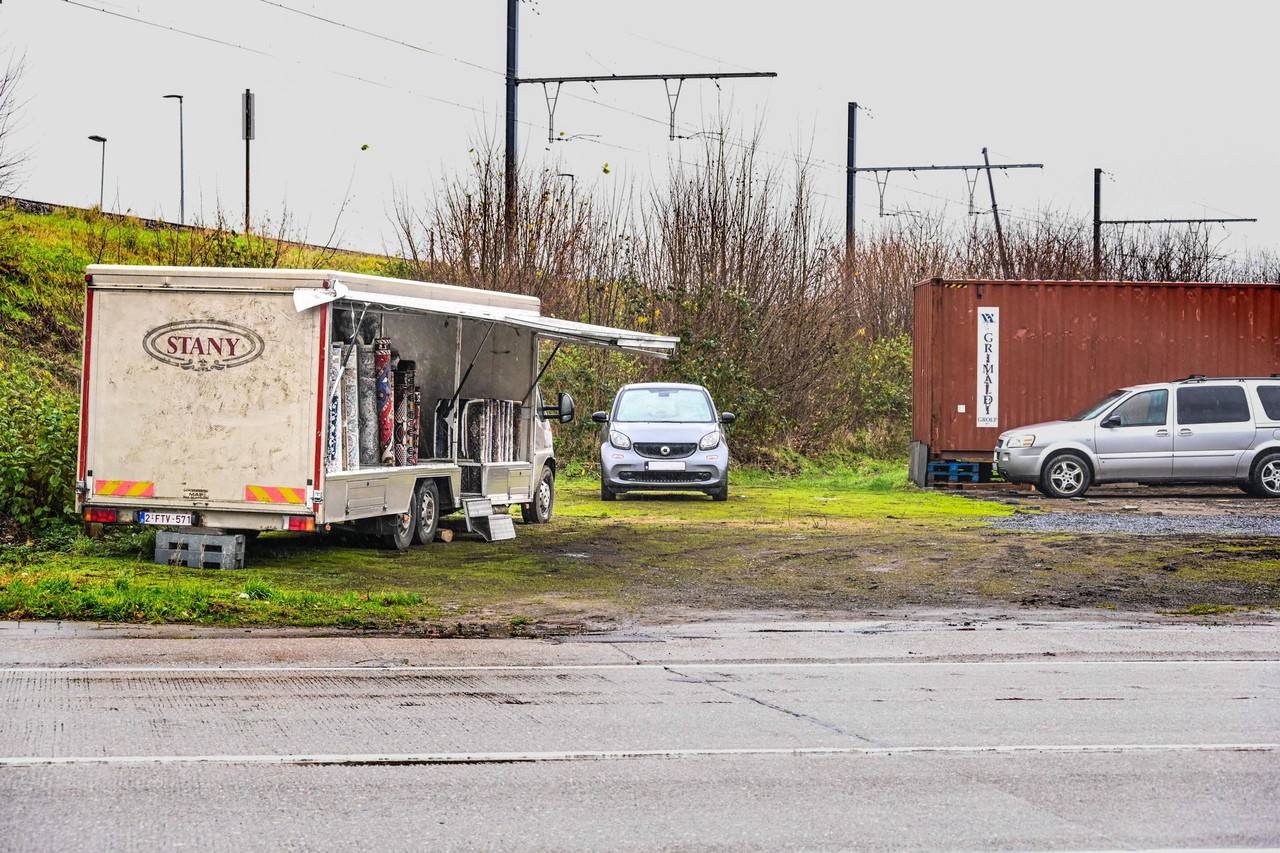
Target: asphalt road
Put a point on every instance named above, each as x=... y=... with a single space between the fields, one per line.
x=942 y=731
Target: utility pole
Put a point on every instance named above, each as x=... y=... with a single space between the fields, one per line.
x=246 y=104
x=514 y=81
x=1098 y=222
x=513 y=44
x=995 y=214
x=182 y=167
x=850 y=180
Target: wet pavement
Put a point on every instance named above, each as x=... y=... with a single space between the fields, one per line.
x=947 y=729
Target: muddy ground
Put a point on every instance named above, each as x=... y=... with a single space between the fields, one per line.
x=1223 y=565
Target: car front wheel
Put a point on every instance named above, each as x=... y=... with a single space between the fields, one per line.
x=1066 y=475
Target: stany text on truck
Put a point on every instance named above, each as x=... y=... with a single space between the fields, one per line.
x=229 y=401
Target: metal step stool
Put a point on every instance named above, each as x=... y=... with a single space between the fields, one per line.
x=482 y=519
x=200 y=550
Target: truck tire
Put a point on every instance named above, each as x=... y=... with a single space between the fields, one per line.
x=538 y=510
x=402 y=526
x=427 y=516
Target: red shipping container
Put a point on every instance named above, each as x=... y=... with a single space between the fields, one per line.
x=994 y=355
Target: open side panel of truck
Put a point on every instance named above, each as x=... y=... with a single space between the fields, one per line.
x=201 y=402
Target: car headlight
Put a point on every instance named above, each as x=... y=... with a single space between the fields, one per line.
x=1024 y=440
x=619 y=440
x=710 y=441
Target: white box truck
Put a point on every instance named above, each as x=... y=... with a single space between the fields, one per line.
x=241 y=400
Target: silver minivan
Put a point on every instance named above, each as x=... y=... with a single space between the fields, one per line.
x=1196 y=430
x=663 y=436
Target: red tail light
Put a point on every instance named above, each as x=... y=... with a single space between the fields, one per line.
x=299 y=522
x=99 y=515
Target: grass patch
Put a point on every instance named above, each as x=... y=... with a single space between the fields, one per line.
x=1202 y=610
x=624 y=553
x=817 y=543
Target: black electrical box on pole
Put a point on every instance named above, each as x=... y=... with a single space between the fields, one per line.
x=246 y=103
x=1098 y=222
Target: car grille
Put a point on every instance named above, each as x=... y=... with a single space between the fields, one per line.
x=665 y=476
x=653 y=450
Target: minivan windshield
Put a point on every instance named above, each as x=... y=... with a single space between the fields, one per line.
x=663 y=405
x=1098 y=407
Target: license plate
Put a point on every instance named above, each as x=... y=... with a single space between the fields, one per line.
x=168 y=519
x=664 y=465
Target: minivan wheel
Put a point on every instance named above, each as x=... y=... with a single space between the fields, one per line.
x=1066 y=475
x=1266 y=476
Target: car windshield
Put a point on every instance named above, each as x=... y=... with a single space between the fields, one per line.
x=1098 y=407
x=663 y=405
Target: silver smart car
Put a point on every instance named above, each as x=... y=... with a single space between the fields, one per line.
x=1196 y=430
x=663 y=436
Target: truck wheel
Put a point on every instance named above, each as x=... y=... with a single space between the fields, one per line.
x=1266 y=476
x=538 y=511
x=607 y=494
x=427 y=518
x=403 y=526
x=1066 y=475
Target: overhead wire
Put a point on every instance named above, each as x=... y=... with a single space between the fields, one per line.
x=796 y=158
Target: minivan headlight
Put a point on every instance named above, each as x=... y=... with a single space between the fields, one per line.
x=710 y=441
x=1024 y=440
x=619 y=440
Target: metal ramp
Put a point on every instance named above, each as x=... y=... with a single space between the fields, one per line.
x=481 y=518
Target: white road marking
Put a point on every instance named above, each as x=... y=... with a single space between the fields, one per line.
x=619 y=755
x=632 y=667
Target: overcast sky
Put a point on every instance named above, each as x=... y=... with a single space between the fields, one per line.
x=1171 y=99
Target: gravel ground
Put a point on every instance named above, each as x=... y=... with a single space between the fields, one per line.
x=1141 y=511
x=1140 y=524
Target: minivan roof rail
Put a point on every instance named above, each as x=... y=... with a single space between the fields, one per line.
x=1200 y=377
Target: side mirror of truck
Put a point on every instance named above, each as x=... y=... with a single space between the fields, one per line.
x=600 y=417
x=727 y=417
x=566 y=408
x=562 y=411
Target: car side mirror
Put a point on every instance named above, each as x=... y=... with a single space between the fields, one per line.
x=562 y=411
x=1112 y=422
x=600 y=417
x=727 y=417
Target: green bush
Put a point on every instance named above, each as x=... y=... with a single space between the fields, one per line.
x=38 y=434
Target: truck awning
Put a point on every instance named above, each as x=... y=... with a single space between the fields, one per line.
x=640 y=343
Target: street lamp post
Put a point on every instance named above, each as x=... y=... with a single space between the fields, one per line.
x=182 y=179
x=102 y=176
